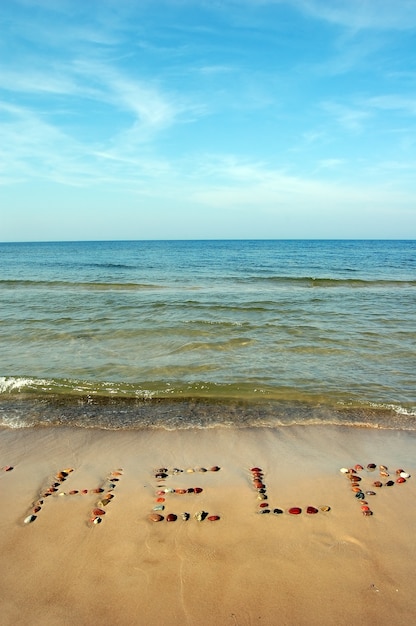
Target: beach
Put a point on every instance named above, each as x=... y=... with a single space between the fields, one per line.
x=330 y=565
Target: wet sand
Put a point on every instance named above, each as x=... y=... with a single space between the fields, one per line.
x=333 y=567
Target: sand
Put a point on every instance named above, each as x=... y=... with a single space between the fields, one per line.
x=333 y=567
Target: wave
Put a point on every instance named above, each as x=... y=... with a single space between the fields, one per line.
x=28 y=402
x=61 y=284
x=274 y=281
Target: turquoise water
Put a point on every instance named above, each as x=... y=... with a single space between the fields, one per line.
x=208 y=333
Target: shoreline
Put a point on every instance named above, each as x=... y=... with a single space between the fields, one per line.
x=333 y=566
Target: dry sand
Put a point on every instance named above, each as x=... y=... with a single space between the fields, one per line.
x=336 y=567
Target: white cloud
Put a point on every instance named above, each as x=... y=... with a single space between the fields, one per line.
x=363 y=14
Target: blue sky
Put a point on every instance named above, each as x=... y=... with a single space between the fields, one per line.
x=171 y=119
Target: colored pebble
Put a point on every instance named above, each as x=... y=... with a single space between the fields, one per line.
x=171 y=517
x=98 y=512
x=7 y=468
x=29 y=519
x=160 y=499
x=96 y=520
x=263 y=505
x=371 y=466
x=370 y=493
x=358 y=467
x=185 y=516
x=377 y=484
x=295 y=510
x=311 y=510
x=155 y=517
x=277 y=511
x=159 y=507
x=264 y=511
x=200 y=516
x=401 y=480
x=215 y=468
x=213 y=518
x=325 y=508
x=404 y=475
x=390 y=483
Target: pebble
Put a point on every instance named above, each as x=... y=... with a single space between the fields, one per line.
x=295 y=510
x=96 y=520
x=371 y=466
x=159 y=507
x=98 y=512
x=264 y=505
x=370 y=493
x=200 y=516
x=404 y=475
x=378 y=484
x=185 y=516
x=215 y=468
x=264 y=511
x=325 y=508
x=344 y=470
x=277 y=511
x=171 y=517
x=155 y=517
x=390 y=483
x=213 y=518
x=29 y=519
x=401 y=480
x=311 y=510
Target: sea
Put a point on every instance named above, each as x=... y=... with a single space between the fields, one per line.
x=208 y=334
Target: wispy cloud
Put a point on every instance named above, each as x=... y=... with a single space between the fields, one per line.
x=363 y=14
x=350 y=117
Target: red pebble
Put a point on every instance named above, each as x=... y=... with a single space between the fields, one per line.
x=98 y=512
x=256 y=469
x=311 y=510
x=358 y=467
x=171 y=517
x=295 y=510
x=73 y=492
x=213 y=518
x=160 y=499
x=401 y=480
x=215 y=468
x=198 y=490
x=264 y=505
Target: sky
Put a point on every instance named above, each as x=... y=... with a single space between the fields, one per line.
x=207 y=119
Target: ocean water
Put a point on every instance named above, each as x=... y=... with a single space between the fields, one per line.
x=198 y=334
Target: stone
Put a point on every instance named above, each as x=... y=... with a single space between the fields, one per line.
x=215 y=468
x=155 y=517
x=98 y=512
x=401 y=480
x=295 y=510
x=213 y=518
x=277 y=511
x=29 y=519
x=311 y=510
x=171 y=517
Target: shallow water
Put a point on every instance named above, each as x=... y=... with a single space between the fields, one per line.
x=206 y=333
